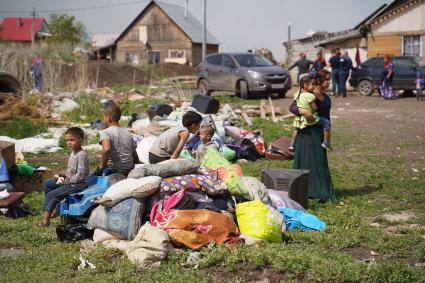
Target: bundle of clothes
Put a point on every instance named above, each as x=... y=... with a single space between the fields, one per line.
x=177 y=203
x=232 y=142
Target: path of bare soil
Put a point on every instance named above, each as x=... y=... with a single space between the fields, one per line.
x=111 y=74
x=398 y=126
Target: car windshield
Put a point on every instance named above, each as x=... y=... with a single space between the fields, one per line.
x=248 y=60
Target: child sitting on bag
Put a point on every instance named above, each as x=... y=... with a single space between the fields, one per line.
x=205 y=134
x=74 y=179
x=117 y=144
x=171 y=142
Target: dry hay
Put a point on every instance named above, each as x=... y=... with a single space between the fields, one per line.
x=11 y=107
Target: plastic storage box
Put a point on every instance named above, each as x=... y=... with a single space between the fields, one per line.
x=79 y=203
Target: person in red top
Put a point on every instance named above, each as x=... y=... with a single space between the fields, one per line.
x=387 y=75
x=36 y=71
x=320 y=62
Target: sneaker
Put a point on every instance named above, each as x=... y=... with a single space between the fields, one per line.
x=326 y=146
x=291 y=148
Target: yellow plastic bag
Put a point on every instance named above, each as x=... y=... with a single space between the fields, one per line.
x=214 y=161
x=260 y=221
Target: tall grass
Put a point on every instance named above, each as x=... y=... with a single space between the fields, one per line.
x=89 y=109
x=62 y=70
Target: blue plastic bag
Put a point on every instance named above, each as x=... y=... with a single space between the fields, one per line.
x=299 y=219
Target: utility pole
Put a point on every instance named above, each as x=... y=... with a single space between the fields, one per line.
x=33 y=28
x=204 y=42
x=289 y=49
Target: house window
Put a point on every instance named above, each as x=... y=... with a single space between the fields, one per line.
x=154 y=57
x=132 y=58
x=412 y=45
x=176 y=54
x=143 y=34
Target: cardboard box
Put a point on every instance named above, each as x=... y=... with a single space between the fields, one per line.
x=7 y=151
x=33 y=183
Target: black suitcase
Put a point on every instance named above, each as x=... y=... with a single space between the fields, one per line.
x=205 y=104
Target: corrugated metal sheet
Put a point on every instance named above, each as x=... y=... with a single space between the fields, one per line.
x=19 y=29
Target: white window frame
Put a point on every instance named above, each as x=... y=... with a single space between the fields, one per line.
x=420 y=43
x=176 y=50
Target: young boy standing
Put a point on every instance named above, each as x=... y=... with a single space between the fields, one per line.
x=74 y=180
x=117 y=143
x=171 y=142
x=205 y=134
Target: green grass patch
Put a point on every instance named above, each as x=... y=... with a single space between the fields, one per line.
x=233 y=99
x=368 y=183
x=22 y=127
x=89 y=110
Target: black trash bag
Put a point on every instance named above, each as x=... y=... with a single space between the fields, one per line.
x=19 y=209
x=248 y=151
x=134 y=118
x=73 y=233
x=159 y=110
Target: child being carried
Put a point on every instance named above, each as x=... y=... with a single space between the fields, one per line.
x=305 y=99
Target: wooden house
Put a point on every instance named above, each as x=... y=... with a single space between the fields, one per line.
x=163 y=32
x=399 y=29
x=23 y=30
x=396 y=28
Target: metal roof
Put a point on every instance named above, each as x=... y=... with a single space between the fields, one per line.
x=189 y=25
x=19 y=29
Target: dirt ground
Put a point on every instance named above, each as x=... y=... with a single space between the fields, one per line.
x=398 y=125
x=111 y=74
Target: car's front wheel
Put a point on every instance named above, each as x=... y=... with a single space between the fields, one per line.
x=282 y=94
x=365 y=87
x=203 y=87
x=243 y=90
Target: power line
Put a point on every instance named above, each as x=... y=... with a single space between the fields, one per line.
x=75 y=9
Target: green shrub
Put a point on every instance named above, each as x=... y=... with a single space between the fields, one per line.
x=22 y=127
x=89 y=109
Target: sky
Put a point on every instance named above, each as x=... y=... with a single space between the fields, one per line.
x=238 y=24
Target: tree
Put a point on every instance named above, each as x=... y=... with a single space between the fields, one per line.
x=65 y=28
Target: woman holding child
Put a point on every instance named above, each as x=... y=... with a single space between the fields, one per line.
x=313 y=141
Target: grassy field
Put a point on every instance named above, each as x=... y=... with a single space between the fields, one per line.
x=359 y=245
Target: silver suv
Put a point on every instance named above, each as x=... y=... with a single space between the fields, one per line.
x=242 y=73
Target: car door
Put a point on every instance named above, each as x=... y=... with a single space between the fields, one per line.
x=229 y=73
x=370 y=69
x=376 y=69
x=404 y=73
x=214 y=70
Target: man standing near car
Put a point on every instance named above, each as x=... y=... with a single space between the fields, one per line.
x=303 y=64
x=334 y=63
x=320 y=62
x=345 y=65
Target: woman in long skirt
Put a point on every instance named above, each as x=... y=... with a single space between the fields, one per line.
x=387 y=75
x=309 y=153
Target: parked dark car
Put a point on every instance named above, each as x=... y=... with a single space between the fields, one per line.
x=367 y=77
x=242 y=73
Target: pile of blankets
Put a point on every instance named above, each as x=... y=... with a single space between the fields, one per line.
x=177 y=204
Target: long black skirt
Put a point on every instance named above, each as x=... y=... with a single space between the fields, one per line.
x=310 y=155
